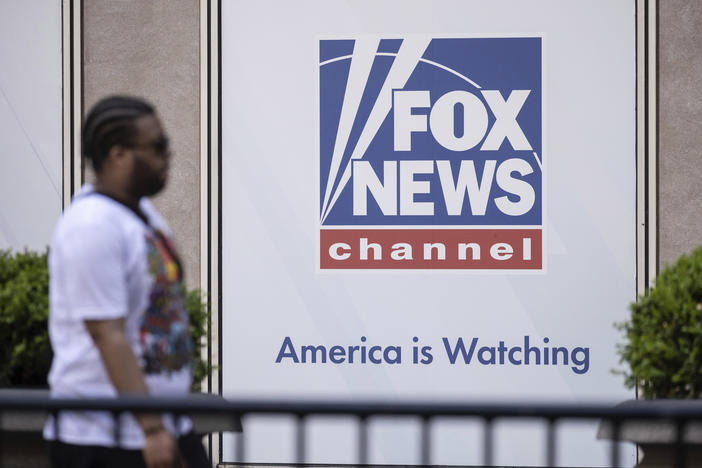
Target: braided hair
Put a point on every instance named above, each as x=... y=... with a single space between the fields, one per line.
x=109 y=123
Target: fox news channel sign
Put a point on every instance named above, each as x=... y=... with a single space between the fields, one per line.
x=422 y=167
x=410 y=213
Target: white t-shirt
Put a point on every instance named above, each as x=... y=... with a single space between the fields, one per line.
x=105 y=262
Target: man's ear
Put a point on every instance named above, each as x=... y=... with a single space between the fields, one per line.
x=118 y=156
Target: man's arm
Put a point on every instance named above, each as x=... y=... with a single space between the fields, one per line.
x=126 y=376
x=117 y=355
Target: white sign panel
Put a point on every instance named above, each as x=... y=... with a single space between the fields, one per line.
x=30 y=118
x=427 y=200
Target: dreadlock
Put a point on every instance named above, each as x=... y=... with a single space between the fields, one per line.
x=111 y=122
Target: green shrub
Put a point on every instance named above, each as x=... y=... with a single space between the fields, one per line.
x=199 y=313
x=664 y=333
x=25 y=350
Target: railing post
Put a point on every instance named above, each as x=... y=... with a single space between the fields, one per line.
x=117 y=430
x=680 y=448
x=363 y=440
x=426 y=441
x=239 y=451
x=55 y=420
x=300 y=441
x=487 y=441
x=614 y=455
x=551 y=443
x=2 y=431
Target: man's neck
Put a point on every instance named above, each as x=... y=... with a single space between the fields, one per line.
x=118 y=193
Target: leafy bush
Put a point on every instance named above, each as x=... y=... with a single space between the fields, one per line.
x=199 y=314
x=25 y=350
x=664 y=349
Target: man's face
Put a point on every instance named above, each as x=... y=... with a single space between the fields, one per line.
x=151 y=156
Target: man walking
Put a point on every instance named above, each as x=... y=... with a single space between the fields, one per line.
x=118 y=323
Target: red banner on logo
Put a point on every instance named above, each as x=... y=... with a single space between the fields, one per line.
x=409 y=249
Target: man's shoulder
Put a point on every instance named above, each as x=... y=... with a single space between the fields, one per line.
x=90 y=210
x=95 y=213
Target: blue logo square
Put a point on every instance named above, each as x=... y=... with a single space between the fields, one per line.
x=421 y=131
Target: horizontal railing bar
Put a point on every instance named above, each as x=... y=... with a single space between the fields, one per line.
x=678 y=410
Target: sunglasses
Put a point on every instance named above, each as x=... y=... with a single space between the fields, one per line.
x=159 y=146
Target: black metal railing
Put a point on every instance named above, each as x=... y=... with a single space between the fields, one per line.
x=681 y=414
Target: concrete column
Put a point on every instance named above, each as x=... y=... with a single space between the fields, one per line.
x=151 y=49
x=680 y=128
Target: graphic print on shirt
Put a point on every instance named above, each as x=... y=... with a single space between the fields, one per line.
x=163 y=331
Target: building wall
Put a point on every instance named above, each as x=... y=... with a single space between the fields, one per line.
x=680 y=128
x=151 y=49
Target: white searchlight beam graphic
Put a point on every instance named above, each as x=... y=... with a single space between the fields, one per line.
x=402 y=67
